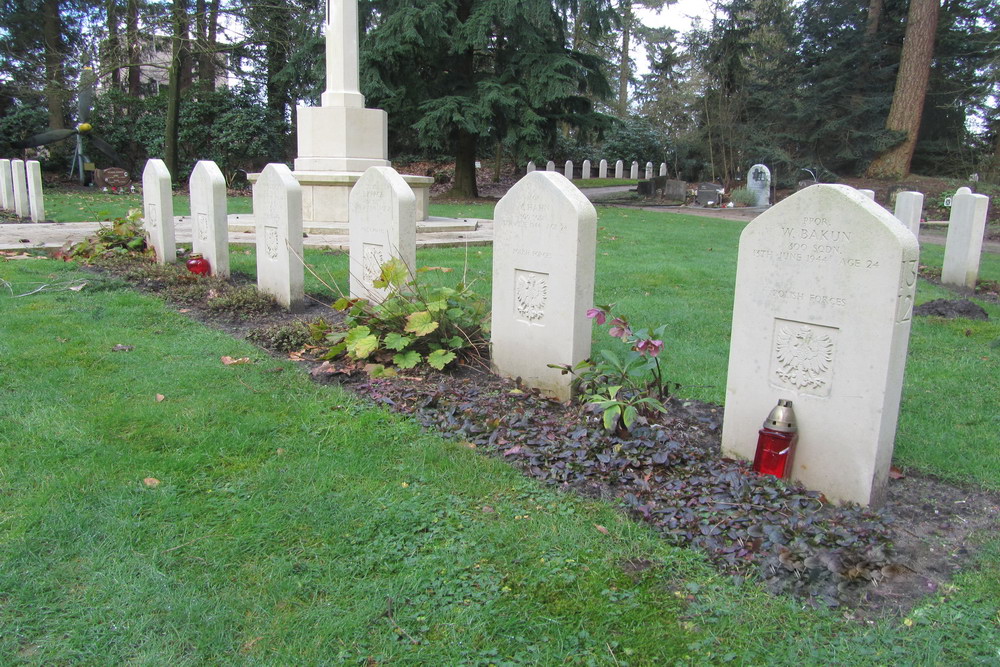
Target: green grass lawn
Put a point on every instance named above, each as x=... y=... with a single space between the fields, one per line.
x=78 y=205
x=293 y=524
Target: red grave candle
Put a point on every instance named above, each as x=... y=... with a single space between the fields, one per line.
x=198 y=265
x=776 y=442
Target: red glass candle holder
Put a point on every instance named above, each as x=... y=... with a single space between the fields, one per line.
x=198 y=265
x=776 y=442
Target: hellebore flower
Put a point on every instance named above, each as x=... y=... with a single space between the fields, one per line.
x=597 y=314
x=649 y=346
x=619 y=328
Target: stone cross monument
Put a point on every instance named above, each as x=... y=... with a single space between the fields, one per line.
x=340 y=139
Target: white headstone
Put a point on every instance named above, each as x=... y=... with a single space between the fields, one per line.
x=909 y=208
x=36 y=198
x=550 y=166
x=543 y=281
x=649 y=171
x=759 y=183
x=158 y=211
x=20 y=180
x=824 y=297
x=531 y=167
x=868 y=193
x=619 y=169
x=6 y=186
x=964 y=244
x=209 y=219
x=634 y=172
x=277 y=213
x=964 y=190
x=586 y=170
x=602 y=169
x=383 y=225
x=663 y=169
x=568 y=169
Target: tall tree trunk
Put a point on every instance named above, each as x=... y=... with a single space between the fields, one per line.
x=132 y=39
x=208 y=30
x=911 y=89
x=113 y=54
x=172 y=122
x=625 y=69
x=465 y=166
x=55 y=71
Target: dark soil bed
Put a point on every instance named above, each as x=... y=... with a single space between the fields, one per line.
x=671 y=474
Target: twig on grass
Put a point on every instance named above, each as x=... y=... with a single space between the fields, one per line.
x=388 y=614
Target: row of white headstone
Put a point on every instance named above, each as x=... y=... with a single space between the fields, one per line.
x=824 y=295
x=602 y=170
x=21 y=189
x=966 y=228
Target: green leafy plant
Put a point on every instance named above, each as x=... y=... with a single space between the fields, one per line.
x=622 y=385
x=742 y=197
x=415 y=323
x=124 y=236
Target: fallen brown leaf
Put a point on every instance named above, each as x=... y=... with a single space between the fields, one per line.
x=160 y=398
x=229 y=361
x=184 y=310
x=601 y=529
x=151 y=482
x=896 y=473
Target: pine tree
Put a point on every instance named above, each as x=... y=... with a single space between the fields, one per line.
x=455 y=76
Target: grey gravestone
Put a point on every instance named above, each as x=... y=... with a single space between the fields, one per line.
x=708 y=194
x=963 y=246
x=20 y=179
x=675 y=190
x=634 y=172
x=116 y=177
x=550 y=166
x=619 y=169
x=568 y=169
x=759 y=184
x=36 y=198
x=586 y=170
x=531 y=167
x=602 y=169
x=6 y=185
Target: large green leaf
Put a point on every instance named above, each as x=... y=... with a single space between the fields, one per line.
x=440 y=358
x=420 y=323
x=407 y=359
x=395 y=341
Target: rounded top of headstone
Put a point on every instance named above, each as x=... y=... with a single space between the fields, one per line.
x=963 y=191
x=384 y=177
x=829 y=205
x=206 y=169
x=549 y=185
x=275 y=174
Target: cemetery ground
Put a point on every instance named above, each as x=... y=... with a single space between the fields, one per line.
x=284 y=520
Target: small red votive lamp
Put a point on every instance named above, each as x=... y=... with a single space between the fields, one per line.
x=776 y=442
x=198 y=265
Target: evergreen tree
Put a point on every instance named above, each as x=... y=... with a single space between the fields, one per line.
x=454 y=76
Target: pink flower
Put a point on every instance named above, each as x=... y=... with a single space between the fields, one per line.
x=649 y=346
x=597 y=314
x=619 y=328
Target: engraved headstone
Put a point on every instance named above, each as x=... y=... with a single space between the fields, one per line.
x=675 y=190
x=277 y=213
x=531 y=167
x=383 y=225
x=116 y=177
x=6 y=185
x=708 y=194
x=20 y=179
x=759 y=184
x=602 y=169
x=649 y=171
x=209 y=219
x=36 y=198
x=543 y=281
x=824 y=298
x=634 y=172
x=158 y=211
x=550 y=166
x=619 y=169
x=663 y=169
x=964 y=245
x=568 y=169
x=586 y=170
x=909 y=208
